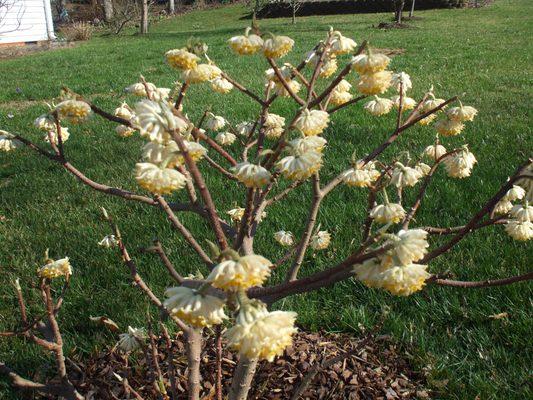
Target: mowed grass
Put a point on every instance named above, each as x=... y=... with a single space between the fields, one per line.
x=451 y=334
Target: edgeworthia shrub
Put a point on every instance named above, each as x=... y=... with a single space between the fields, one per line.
x=263 y=160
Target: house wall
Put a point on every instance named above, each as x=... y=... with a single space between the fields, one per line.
x=25 y=21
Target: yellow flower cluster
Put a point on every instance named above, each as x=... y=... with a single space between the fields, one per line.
x=460 y=164
x=284 y=238
x=131 y=340
x=395 y=271
x=273 y=125
x=158 y=180
x=312 y=122
x=182 y=59
x=156 y=120
x=246 y=44
x=320 y=240
x=277 y=46
x=261 y=334
x=225 y=138
x=252 y=175
x=74 y=111
x=55 y=269
x=241 y=273
x=379 y=106
x=194 y=308
x=8 y=141
x=387 y=213
x=361 y=175
x=373 y=76
x=403 y=176
x=341 y=93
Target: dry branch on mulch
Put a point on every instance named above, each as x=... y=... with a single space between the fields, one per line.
x=373 y=369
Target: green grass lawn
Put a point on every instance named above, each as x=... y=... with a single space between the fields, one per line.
x=484 y=53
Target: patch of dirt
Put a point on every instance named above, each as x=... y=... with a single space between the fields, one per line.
x=372 y=368
x=8 y=52
x=392 y=25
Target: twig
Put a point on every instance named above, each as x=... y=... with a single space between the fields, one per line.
x=481 y=284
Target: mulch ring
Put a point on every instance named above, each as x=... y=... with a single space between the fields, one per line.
x=14 y=51
x=374 y=368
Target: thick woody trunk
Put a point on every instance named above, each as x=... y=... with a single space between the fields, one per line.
x=144 y=16
x=108 y=10
x=399 y=10
x=194 y=353
x=242 y=379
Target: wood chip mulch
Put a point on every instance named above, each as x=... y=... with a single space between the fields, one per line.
x=374 y=368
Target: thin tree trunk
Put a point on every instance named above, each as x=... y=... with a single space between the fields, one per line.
x=144 y=17
x=412 y=11
x=171 y=6
x=108 y=10
x=294 y=5
x=399 y=10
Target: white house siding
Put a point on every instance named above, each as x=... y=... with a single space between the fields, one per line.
x=26 y=21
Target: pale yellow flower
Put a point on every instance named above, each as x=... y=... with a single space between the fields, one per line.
x=461 y=113
x=337 y=97
x=55 y=269
x=196 y=309
x=341 y=44
x=369 y=272
x=408 y=103
x=426 y=120
x=170 y=154
x=502 y=207
x=404 y=280
x=124 y=111
x=312 y=122
x=161 y=94
x=515 y=193
x=522 y=213
x=261 y=334
x=432 y=103
x=423 y=168
x=181 y=59
x=221 y=85
x=252 y=175
x=361 y=175
x=408 y=246
x=245 y=128
x=449 y=127
x=65 y=134
x=379 y=106
x=124 y=131
x=158 y=180
x=201 y=73
x=401 y=80
x=277 y=46
x=320 y=240
x=343 y=86
x=300 y=167
x=274 y=121
x=139 y=89
x=156 y=120
x=328 y=67
x=74 y=111
x=236 y=214
x=519 y=230
x=434 y=152
x=374 y=83
x=108 y=241
x=243 y=273
x=403 y=176
x=246 y=44
x=460 y=164
x=131 y=340
x=284 y=238
x=8 y=141
x=388 y=213
x=370 y=63
x=225 y=138
x=215 y=122
x=45 y=123
x=308 y=143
